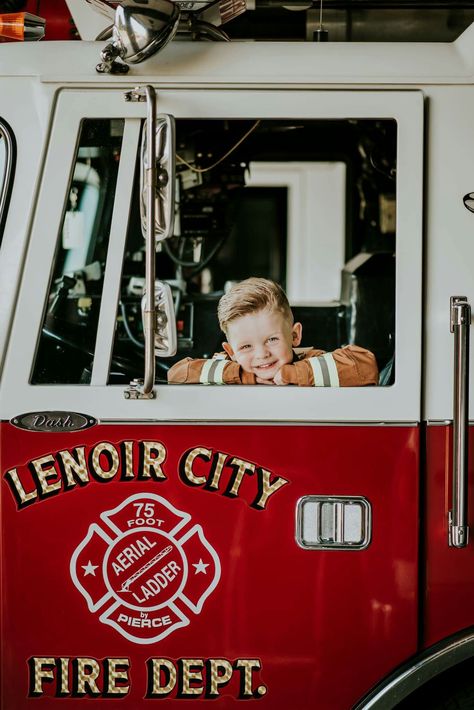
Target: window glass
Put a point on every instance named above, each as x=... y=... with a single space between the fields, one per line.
x=69 y=329
x=330 y=187
x=6 y=171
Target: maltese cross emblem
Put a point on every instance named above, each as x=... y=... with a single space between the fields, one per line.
x=144 y=567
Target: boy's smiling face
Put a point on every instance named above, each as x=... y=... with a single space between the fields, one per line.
x=262 y=342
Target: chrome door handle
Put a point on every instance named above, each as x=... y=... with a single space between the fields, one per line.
x=460 y=325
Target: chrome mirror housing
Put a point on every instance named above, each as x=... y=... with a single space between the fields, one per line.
x=165 y=177
x=165 y=332
x=141 y=28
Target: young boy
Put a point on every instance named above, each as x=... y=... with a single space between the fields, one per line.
x=261 y=333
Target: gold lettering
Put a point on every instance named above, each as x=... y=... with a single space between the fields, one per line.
x=64 y=676
x=44 y=473
x=88 y=671
x=267 y=489
x=19 y=492
x=70 y=466
x=243 y=467
x=96 y=465
x=153 y=463
x=217 y=471
x=40 y=673
x=114 y=674
x=128 y=451
x=248 y=665
x=189 y=674
x=187 y=469
x=157 y=664
x=216 y=678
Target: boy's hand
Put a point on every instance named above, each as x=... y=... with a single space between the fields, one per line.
x=278 y=379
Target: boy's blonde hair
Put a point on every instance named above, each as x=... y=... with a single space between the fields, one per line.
x=251 y=296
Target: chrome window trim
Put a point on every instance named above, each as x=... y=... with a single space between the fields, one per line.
x=419 y=670
x=444 y=422
x=256 y=422
x=6 y=180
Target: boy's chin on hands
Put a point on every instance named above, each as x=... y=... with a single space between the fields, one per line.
x=277 y=380
x=259 y=381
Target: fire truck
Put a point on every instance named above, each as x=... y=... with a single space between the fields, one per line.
x=312 y=543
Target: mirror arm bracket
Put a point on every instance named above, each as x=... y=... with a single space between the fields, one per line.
x=109 y=65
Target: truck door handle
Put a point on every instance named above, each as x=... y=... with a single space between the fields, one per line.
x=460 y=325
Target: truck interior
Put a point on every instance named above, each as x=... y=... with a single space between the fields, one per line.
x=229 y=226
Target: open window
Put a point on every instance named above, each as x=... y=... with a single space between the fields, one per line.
x=310 y=204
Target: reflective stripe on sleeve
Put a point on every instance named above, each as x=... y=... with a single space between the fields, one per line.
x=324 y=371
x=212 y=372
x=332 y=369
x=317 y=372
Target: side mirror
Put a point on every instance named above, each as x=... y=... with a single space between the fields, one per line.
x=165 y=331
x=141 y=28
x=165 y=177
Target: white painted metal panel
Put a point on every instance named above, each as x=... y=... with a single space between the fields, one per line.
x=449 y=241
x=255 y=63
x=27 y=115
x=316 y=225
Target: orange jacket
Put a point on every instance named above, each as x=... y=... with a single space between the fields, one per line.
x=351 y=366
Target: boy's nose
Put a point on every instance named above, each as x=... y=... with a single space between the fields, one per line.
x=263 y=352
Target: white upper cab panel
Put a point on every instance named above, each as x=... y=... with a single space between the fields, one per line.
x=350 y=71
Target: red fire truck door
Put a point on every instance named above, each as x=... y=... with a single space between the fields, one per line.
x=254 y=543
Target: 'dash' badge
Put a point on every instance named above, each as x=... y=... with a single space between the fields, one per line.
x=144 y=567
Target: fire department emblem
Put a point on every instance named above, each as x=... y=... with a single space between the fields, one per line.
x=144 y=567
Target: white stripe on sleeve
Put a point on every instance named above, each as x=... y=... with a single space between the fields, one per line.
x=317 y=372
x=332 y=368
x=219 y=371
x=203 y=377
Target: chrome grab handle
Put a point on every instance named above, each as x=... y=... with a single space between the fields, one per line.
x=149 y=311
x=460 y=325
x=137 y=388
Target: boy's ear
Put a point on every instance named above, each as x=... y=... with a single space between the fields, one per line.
x=296 y=334
x=228 y=349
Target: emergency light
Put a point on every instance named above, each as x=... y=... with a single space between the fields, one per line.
x=22 y=26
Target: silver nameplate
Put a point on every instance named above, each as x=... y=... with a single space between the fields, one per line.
x=53 y=421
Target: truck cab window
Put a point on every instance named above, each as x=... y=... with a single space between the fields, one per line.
x=67 y=339
x=238 y=215
x=7 y=157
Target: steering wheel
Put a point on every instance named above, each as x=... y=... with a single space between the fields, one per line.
x=120 y=365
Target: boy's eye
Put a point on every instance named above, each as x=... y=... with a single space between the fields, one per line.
x=244 y=347
x=273 y=339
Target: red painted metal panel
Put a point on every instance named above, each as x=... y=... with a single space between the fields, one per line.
x=323 y=625
x=59 y=23
x=449 y=589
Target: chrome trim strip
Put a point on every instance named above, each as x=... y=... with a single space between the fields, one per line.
x=418 y=671
x=9 y=153
x=149 y=325
x=444 y=422
x=253 y=422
